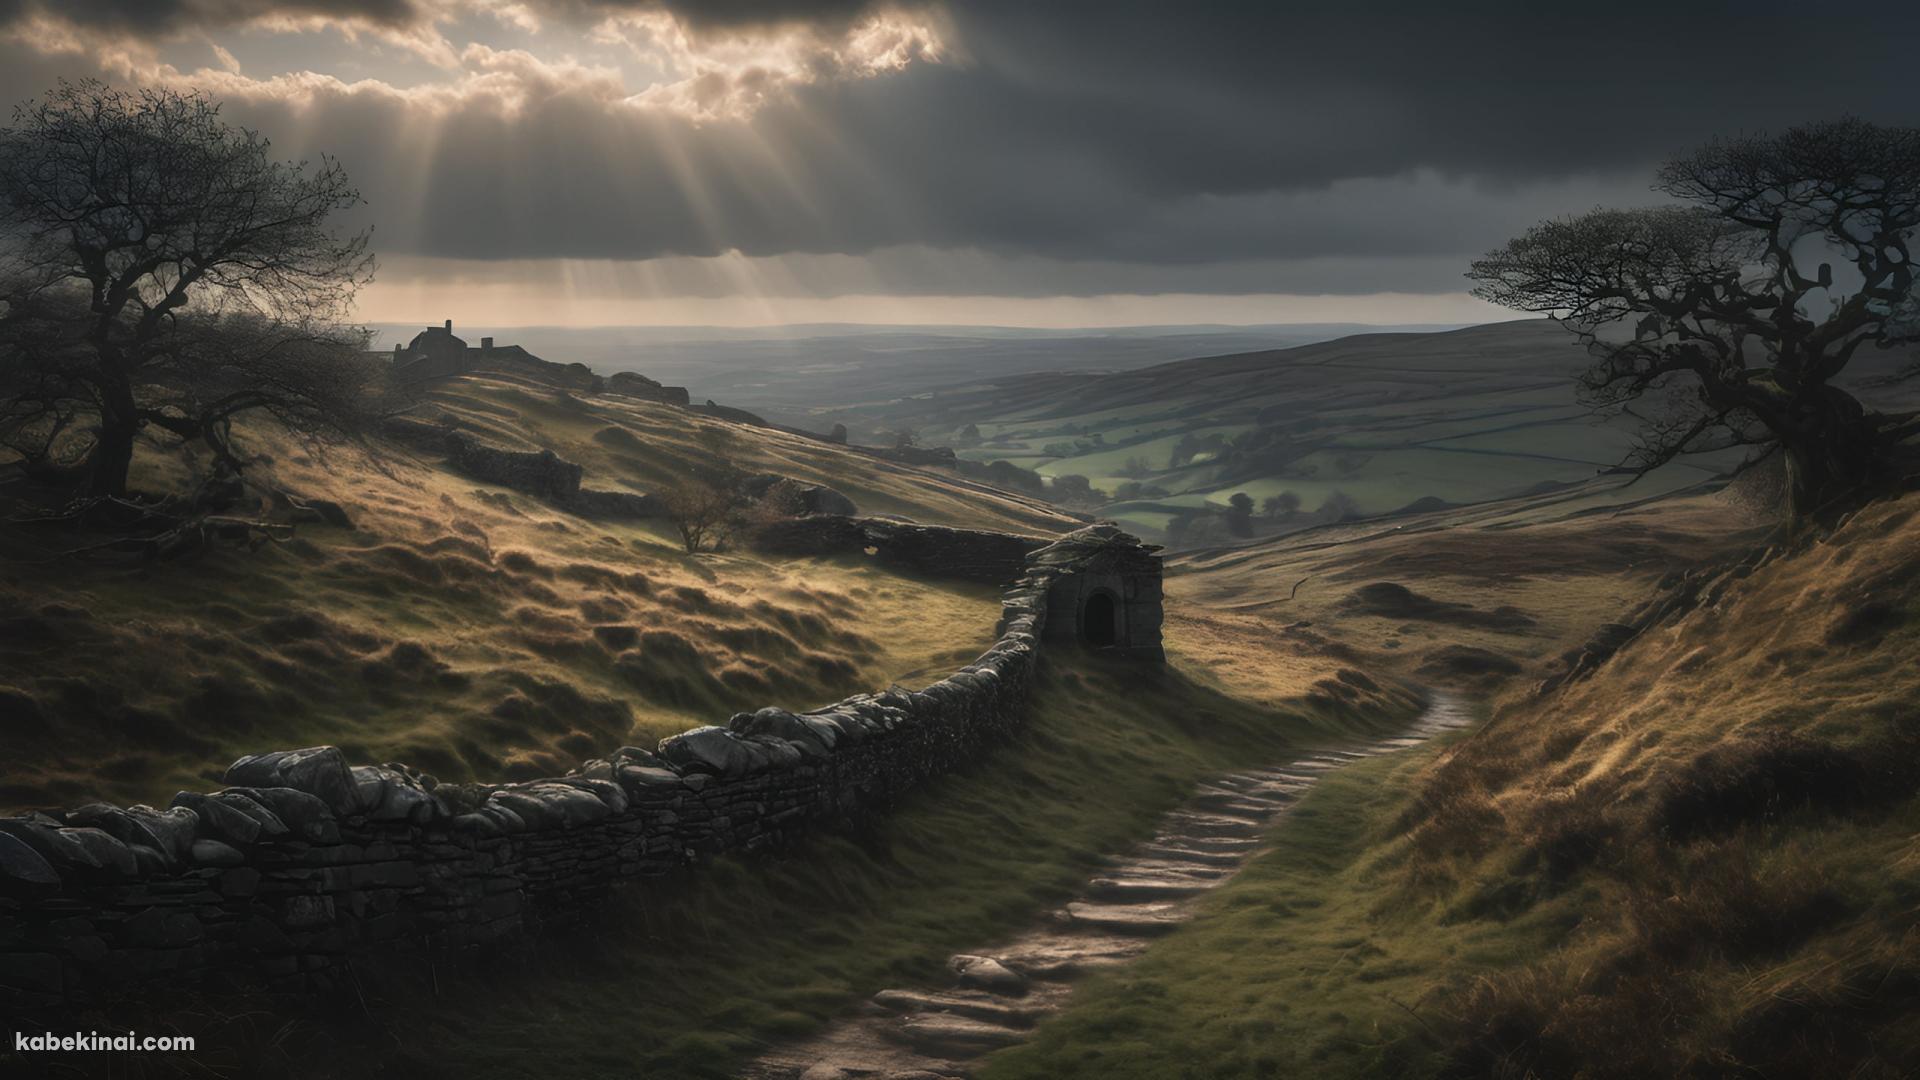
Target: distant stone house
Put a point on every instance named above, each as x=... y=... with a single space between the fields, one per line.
x=435 y=353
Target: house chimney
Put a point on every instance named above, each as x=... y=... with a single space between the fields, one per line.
x=486 y=343
x=449 y=326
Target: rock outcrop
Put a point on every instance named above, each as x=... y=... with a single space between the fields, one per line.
x=635 y=385
x=796 y=498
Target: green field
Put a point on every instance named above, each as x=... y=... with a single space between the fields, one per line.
x=1374 y=423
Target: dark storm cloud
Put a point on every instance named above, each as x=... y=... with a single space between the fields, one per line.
x=1143 y=133
x=175 y=16
x=723 y=15
x=169 y=16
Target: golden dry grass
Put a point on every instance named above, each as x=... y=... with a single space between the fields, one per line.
x=1701 y=861
x=461 y=627
x=625 y=443
x=1734 y=796
x=1557 y=578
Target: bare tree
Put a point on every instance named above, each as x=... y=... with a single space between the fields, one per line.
x=158 y=270
x=1729 y=312
x=703 y=512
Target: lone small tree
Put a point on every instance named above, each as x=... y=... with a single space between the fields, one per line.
x=702 y=512
x=1240 y=514
x=1729 y=312
x=159 y=271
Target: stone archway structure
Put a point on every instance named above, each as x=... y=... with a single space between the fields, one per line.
x=1112 y=597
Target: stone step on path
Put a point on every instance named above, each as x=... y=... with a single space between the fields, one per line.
x=996 y=997
x=1220 y=845
x=1189 y=854
x=1146 y=885
x=1187 y=866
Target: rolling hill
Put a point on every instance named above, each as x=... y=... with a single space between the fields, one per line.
x=465 y=627
x=1364 y=425
x=812 y=376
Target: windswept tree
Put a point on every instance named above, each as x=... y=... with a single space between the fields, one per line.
x=703 y=511
x=1732 y=313
x=161 y=273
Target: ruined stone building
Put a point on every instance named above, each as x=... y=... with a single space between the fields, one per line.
x=435 y=353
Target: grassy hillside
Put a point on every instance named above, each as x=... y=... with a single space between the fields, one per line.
x=1467 y=596
x=690 y=978
x=1699 y=861
x=625 y=443
x=470 y=630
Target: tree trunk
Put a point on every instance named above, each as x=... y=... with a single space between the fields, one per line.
x=112 y=454
x=1832 y=461
x=111 y=458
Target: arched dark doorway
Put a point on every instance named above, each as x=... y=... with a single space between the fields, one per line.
x=1100 y=620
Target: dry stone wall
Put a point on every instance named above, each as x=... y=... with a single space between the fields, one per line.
x=966 y=554
x=305 y=859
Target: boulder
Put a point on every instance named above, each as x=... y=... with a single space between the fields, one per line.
x=649 y=780
x=168 y=836
x=391 y=795
x=781 y=754
x=87 y=852
x=269 y=822
x=796 y=498
x=534 y=811
x=320 y=771
x=603 y=789
x=774 y=723
x=149 y=862
x=305 y=814
x=634 y=755
x=216 y=853
x=477 y=822
x=107 y=858
x=175 y=829
x=711 y=750
x=24 y=873
x=220 y=821
x=634 y=384
x=987 y=973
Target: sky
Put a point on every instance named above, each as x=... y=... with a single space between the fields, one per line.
x=1006 y=162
